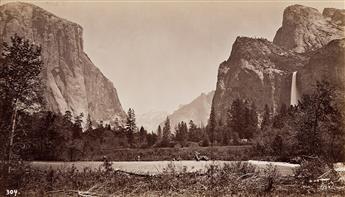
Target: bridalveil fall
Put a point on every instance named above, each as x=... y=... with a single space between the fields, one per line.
x=294 y=91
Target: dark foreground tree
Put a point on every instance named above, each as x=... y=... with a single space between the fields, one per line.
x=242 y=120
x=320 y=130
x=20 y=81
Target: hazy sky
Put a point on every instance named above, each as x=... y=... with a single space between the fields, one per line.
x=162 y=54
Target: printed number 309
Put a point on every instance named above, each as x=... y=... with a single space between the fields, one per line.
x=10 y=192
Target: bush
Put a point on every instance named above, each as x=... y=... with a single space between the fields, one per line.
x=311 y=169
x=18 y=175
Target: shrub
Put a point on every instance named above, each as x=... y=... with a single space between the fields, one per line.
x=311 y=169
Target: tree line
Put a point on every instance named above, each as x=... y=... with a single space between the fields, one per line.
x=314 y=127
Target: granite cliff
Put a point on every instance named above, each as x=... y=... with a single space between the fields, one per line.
x=326 y=63
x=305 y=29
x=73 y=82
x=259 y=70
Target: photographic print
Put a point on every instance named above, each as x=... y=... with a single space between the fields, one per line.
x=172 y=98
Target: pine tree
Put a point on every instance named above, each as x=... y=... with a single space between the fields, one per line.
x=151 y=139
x=192 y=125
x=68 y=117
x=278 y=120
x=67 y=126
x=194 y=134
x=78 y=121
x=142 y=136
x=266 y=119
x=77 y=127
x=235 y=118
x=166 y=133
x=44 y=135
x=252 y=124
x=205 y=140
x=131 y=126
x=181 y=133
x=212 y=126
x=159 y=133
x=277 y=145
x=88 y=123
x=178 y=132
x=246 y=131
x=100 y=125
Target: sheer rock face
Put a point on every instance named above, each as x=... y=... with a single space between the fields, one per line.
x=261 y=71
x=305 y=29
x=327 y=63
x=73 y=82
x=257 y=70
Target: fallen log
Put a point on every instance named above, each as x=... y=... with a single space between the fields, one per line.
x=245 y=176
x=133 y=174
x=79 y=193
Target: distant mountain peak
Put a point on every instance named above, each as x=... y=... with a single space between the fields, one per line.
x=197 y=110
x=150 y=120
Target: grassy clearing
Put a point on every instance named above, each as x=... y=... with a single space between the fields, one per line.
x=227 y=153
x=157 y=167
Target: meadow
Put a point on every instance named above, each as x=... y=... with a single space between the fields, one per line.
x=158 y=167
x=226 y=153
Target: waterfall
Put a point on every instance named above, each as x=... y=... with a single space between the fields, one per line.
x=294 y=91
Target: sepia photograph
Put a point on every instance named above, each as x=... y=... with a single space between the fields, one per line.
x=183 y=98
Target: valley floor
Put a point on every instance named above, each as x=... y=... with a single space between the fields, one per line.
x=158 y=167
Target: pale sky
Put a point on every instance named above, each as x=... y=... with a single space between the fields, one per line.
x=162 y=54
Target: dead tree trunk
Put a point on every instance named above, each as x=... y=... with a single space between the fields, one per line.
x=11 y=136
